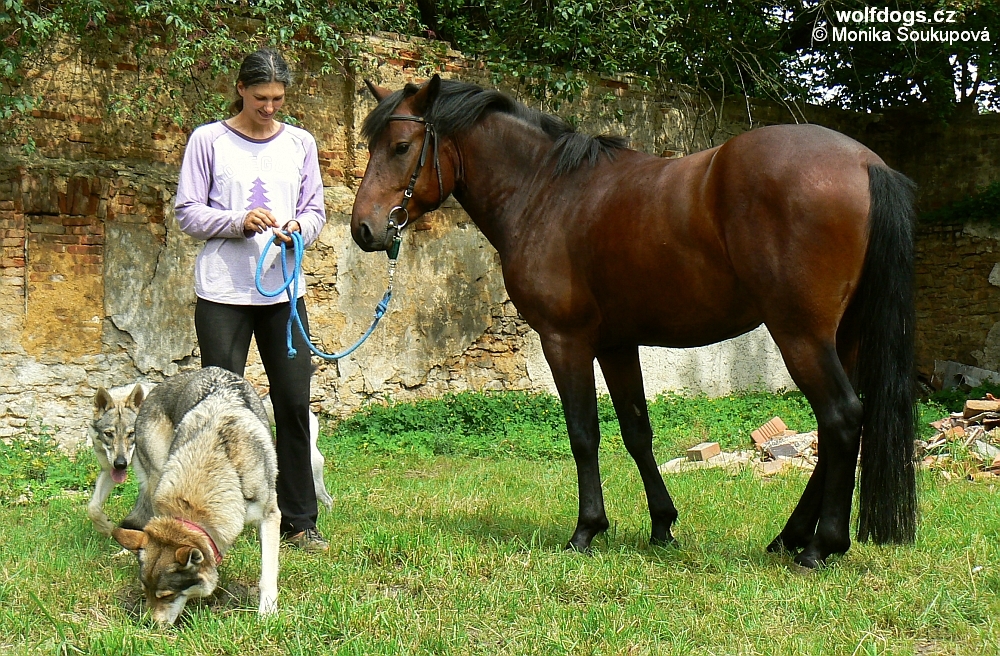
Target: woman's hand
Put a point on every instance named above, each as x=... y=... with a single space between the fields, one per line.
x=258 y=220
x=290 y=227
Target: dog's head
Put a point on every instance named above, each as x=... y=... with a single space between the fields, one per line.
x=175 y=564
x=114 y=429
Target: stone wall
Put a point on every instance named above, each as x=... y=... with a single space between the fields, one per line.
x=958 y=306
x=96 y=276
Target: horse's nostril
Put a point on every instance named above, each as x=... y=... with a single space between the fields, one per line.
x=366 y=233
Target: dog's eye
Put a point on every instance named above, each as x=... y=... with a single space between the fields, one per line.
x=165 y=595
x=109 y=433
x=401 y=148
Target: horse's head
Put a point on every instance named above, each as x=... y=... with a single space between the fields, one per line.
x=407 y=174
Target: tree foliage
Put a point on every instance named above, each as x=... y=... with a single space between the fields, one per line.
x=758 y=48
x=764 y=49
x=913 y=68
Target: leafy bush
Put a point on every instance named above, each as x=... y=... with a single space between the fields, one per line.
x=953 y=400
x=484 y=424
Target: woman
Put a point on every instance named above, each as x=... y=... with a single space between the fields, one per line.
x=245 y=181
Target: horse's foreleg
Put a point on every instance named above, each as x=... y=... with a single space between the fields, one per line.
x=816 y=369
x=572 y=365
x=624 y=377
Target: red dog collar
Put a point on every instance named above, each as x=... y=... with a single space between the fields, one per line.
x=211 y=542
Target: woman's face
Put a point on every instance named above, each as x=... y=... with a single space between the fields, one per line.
x=261 y=101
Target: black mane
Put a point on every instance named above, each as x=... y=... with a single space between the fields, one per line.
x=459 y=105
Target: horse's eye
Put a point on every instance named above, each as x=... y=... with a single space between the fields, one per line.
x=401 y=148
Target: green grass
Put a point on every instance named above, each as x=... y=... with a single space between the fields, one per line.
x=462 y=553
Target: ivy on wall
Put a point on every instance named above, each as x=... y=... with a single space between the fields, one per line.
x=180 y=47
x=983 y=205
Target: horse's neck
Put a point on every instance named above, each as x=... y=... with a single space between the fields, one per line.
x=501 y=158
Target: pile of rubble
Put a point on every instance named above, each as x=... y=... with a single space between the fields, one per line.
x=967 y=440
x=967 y=443
x=775 y=447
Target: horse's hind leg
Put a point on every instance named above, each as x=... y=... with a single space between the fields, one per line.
x=801 y=526
x=624 y=377
x=820 y=524
x=572 y=365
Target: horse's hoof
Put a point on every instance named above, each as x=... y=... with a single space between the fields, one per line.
x=802 y=570
x=809 y=561
x=669 y=541
x=583 y=549
x=778 y=546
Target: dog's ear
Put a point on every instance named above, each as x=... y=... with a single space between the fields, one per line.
x=102 y=402
x=189 y=556
x=136 y=398
x=130 y=539
x=380 y=93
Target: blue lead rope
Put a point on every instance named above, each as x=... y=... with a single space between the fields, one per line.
x=291 y=288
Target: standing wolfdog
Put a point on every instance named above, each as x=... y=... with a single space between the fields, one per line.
x=112 y=436
x=206 y=466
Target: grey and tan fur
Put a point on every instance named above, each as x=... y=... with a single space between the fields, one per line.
x=206 y=466
x=113 y=440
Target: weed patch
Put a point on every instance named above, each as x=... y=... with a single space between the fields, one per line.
x=34 y=468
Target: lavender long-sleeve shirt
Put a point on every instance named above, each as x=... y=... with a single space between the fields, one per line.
x=224 y=175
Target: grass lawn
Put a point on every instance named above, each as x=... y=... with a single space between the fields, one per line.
x=440 y=546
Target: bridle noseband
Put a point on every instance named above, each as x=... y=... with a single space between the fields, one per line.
x=429 y=133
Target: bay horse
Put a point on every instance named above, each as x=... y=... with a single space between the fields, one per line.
x=604 y=249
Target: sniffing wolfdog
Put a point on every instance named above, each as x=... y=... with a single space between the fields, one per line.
x=112 y=436
x=206 y=466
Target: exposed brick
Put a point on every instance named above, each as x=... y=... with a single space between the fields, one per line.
x=85 y=119
x=81 y=221
x=43 y=113
x=84 y=250
x=47 y=228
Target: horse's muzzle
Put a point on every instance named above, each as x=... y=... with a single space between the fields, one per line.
x=369 y=238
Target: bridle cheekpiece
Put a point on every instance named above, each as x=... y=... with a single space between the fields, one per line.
x=429 y=133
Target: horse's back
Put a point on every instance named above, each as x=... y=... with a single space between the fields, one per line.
x=699 y=249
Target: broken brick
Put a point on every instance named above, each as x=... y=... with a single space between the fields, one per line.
x=704 y=451
x=773 y=428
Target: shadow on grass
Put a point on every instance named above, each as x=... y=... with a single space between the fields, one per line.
x=511 y=531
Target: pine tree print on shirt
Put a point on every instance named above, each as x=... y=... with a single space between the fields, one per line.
x=258 y=196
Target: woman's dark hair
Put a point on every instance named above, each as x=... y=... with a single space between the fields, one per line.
x=265 y=65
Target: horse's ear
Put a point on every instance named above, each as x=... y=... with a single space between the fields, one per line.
x=380 y=93
x=424 y=99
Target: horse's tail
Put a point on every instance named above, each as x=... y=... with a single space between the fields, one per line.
x=884 y=375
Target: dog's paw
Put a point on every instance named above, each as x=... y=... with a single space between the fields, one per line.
x=101 y=523
x=268 y=604
x=325 y=498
